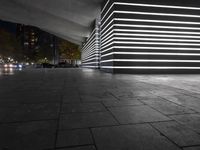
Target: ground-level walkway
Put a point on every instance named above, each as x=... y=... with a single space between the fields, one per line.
x=82 y=109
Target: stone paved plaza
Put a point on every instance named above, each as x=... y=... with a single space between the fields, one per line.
x=83 y=109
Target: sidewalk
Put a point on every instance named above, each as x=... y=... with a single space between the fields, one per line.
x=82 y=109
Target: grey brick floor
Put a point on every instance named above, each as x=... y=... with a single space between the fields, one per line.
x=82 y=109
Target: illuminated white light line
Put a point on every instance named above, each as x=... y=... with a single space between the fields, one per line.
x=149 y=26
x=149 y=39
x=91 y=63
x=149 y=43
x=146 y=67
x=150 y=60
x=150 y=35
x=155 y=31
x=157 y=21
x=95 y=55
x=151 y=53
x=87 y=60
x=155 y=43
x=157 y=14
x=160 y=6
x=89 y=66
x=151 y=48
x=105 y=5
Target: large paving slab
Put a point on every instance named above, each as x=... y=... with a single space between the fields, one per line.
x=178 y=133
x=28 y=136
x=137 y=114
x=167 y=107
x=82 y=107
x=85 y=120
x=131 y=137
x=190 y=120
x=12 y=112
x=74 y=138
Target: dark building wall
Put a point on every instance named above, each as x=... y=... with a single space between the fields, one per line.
x=144 y=36
x=90 y=52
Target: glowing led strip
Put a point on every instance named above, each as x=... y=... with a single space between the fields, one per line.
x=87 y=60
x=146 y=67
x=150 y=35
x=149 y=43
x=150 y=60
x=157 y=21
x=151 y=53
x=155 y=31
x=149 y=39
x=160 y=6
x=89 y=66
x=91 y=63
x=151 y=48
x=105 y=5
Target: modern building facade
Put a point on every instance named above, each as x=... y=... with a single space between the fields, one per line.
x=144 y=36
x=91 y=48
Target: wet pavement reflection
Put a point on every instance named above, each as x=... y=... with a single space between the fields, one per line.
x=9 y=71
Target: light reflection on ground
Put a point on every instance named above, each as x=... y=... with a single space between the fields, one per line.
x=8 y=71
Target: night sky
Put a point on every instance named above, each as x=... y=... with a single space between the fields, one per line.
x=10 y=27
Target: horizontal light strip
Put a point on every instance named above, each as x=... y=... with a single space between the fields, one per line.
x=155 y=31
x=90 y=63
x=151 y=53
x=159 y=6
x=157 y=21
x=157 y=14
x=149 y=39
x=150 y=60
x=146 y=67
x=161 y=27
x=151 y=48
x=151 y=35
x=86 y=60
x=89 y=66
x=155 y=43
x=150 y=43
